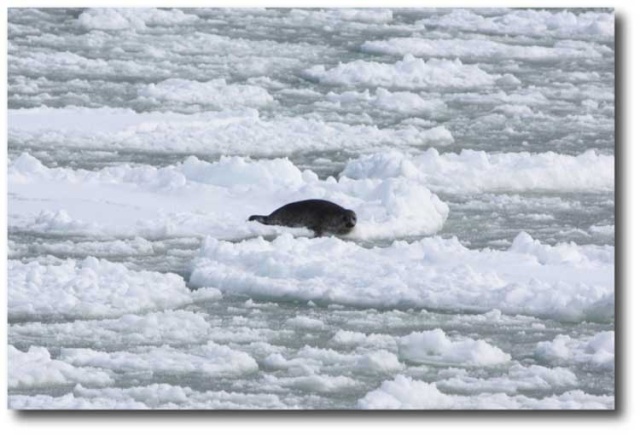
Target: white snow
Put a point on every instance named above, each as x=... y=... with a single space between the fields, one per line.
x=480 y=171
x=567 y=281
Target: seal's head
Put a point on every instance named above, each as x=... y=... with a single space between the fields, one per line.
x=345 y=222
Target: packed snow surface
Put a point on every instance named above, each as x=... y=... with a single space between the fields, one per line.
x=476 y=147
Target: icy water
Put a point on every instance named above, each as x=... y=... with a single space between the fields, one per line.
x=476 y=147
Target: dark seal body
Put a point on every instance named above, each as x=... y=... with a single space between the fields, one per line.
x=318 y=215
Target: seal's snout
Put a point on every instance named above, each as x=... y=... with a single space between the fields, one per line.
x=351 y=220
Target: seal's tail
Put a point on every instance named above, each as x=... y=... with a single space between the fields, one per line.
x=261 y=219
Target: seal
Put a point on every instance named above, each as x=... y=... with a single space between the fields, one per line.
x=318 y=215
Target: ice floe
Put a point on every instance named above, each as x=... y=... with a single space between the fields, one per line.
x=436 y=348
x=479 y=171
x=214 y=93
x=91 y=288
x=209 y=359
x=198 y=198
x=408 y=73
x=35 y=368
x=594 y=353
x=243 y=132
x=566 y=281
